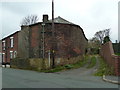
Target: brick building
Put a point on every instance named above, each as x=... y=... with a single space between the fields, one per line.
x=29 y=42
x=9 y=48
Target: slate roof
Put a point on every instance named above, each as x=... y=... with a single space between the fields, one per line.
x=60 y=20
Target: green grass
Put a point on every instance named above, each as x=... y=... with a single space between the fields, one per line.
x=92 y=62
x=56 y=69
x=104 y=69
x=79 y=64
x=117 y=54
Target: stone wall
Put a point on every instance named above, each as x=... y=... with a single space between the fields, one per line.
x=40 y=64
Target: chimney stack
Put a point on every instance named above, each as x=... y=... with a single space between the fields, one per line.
x=24 y=26
x=45 y=18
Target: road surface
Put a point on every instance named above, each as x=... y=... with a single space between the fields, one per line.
x=75 y=78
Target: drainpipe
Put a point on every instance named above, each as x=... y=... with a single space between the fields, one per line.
x=49 y=57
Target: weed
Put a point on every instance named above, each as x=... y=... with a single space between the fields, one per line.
x=104 y=69
x=79 y=64
x=92 y=62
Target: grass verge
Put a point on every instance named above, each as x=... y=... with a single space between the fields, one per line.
x=104 y=69
x=79 y=64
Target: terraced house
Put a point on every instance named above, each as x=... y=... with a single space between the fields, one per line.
x=9 y=48
x=36 y=41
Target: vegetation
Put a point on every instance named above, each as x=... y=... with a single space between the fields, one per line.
x=30 y=19
x=92 y=62
x=100 y=35
x=93 y=46
x=106 y=39
x=117 y=54
x=104 y=69
x=56 y=69
x=69 y=66
x=99 y=38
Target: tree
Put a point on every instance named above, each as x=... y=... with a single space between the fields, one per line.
x=93 y=45
x=30 y=19
x=106 y=39
x=100 y=35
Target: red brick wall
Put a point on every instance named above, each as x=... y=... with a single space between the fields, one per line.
x=8 y=48
x=117 y=64
x=35 y=39
x=70 y=40
x=107 y=53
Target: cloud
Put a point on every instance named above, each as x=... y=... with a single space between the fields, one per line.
x=91 y=15
x=119 y=21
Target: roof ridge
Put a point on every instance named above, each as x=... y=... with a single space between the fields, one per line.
x=61 y=20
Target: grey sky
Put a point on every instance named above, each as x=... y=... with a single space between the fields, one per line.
x=119 y=21
x=91 y=15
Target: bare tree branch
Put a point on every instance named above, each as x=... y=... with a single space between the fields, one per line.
x=101 y=34
x=31 y=19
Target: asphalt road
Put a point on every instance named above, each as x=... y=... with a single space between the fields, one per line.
x=76 y=78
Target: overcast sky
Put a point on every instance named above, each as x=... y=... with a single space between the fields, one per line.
x=91 y=15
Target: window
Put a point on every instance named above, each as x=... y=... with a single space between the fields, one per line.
x=15 y=54
x=3 y=44
x=11 y=54
x=11 y=42
x=3 y=57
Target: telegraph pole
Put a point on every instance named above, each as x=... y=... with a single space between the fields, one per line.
x=53 y=36
x=53 y=18
x=43 y=45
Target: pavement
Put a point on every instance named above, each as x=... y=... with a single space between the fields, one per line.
x=112 y=79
